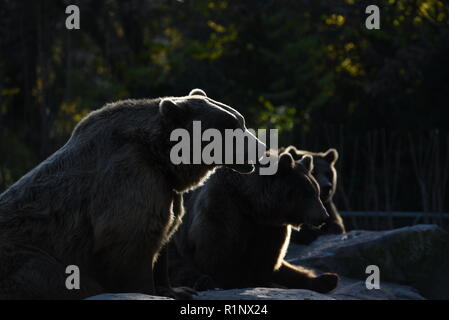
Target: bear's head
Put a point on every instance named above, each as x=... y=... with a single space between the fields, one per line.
x=290 y=190
x=139 y=134
x=199 y=115
x=207 y=121
x=324 y=170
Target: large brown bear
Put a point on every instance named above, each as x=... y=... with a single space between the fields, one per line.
x=236 y=230
x=326 y=175
x=104 y=201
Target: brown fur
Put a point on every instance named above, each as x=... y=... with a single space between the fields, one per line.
x=103 y=202
x=237 y=229
x=326 y=175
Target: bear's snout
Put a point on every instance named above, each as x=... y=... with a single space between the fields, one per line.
x=317 y=213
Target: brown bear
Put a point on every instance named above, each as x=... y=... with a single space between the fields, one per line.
x=326 y=175
x=104 y=201
x=236 y=230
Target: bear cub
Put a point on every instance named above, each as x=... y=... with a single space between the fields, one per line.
x=326 y=175
x=236 y=229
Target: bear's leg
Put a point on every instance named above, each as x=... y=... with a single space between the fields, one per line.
x=162 y=281
x=295 y=277
x=333 y=227
x=119 y=270
x=183 y=272
x=161 y=275
x=30 y=273
x=335 y=223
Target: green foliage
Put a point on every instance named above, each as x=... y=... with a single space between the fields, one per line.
x=292 y=65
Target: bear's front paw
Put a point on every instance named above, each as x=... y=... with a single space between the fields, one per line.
x=325 y=282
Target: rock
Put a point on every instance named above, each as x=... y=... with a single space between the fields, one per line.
x=261 y=294
x=126 y=296
x=413 y=263
x=417 y=256
x=350 y=289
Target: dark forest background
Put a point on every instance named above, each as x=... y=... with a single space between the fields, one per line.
x=307 y=67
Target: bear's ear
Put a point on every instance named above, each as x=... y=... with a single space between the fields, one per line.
x=197 y=92
x=307 y=162
x=331 y=155
x=169 y=109
x=286 y=162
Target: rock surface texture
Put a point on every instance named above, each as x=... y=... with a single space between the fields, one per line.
x=413 y=264
x=416 y=256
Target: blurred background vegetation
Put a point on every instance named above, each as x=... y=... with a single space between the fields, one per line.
x=308 y=68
